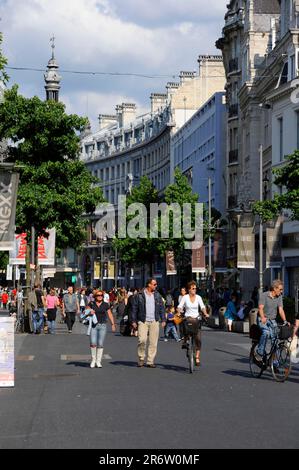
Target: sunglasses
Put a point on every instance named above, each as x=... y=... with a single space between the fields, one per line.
x=99 y=295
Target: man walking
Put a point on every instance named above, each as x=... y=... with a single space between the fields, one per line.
x=147 y=309
x=70 y=307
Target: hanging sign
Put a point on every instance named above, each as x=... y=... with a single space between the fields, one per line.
x=170 y=263
x=246 y=251
x=7 y=361
x=8 y=199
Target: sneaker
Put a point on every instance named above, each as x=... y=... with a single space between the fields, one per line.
x=165 y=339
x=151 y=366
x=258 y=356
x=70 y=331
x=178 y=340
x=140 y=364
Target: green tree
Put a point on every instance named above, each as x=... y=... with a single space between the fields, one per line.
x=139 y=250
x=288 y=177
x=3 y=62
x=55 y=189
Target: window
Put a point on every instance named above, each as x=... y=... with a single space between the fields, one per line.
x=280 y=130
x=297 y=116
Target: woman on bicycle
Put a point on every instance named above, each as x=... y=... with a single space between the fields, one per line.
x=193 y=306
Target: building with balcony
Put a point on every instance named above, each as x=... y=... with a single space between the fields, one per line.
x=263 y=36
x=127 y=146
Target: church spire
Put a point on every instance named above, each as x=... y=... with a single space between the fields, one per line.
x=52 y=78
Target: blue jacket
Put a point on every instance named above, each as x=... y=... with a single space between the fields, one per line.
x=138 y=312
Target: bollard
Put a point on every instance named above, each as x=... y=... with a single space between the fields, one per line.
x=253 y=316
x=222 y=322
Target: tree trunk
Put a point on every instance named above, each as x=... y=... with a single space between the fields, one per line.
x=27 y=327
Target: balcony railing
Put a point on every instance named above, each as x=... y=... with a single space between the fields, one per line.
x=232 y=201
x=233 y=65
x=233 y=156
x=233 y=110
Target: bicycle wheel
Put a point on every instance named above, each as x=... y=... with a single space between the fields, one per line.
x=256 y=367
x=281 y=363
x=191 y=353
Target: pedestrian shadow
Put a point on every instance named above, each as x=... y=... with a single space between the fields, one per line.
x=159 y=366
x=78 y=363
x=244 y=374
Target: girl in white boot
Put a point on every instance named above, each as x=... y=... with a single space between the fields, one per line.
x=98 y=312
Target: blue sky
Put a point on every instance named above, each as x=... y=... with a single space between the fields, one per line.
x=159 y=37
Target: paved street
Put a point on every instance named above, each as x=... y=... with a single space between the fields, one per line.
x=59 y=402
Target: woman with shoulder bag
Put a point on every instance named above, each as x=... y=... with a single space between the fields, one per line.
x=193 y=304
x=51 y=306
x=98 y=312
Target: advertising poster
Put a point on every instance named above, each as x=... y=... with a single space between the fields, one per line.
x=8 y=195
x=246 y=238
x=170 y=263
x=7 y=360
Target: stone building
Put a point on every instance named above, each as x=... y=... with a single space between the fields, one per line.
x=260 y=53
x=128 y=146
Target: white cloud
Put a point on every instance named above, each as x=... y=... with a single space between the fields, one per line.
x=108 y=35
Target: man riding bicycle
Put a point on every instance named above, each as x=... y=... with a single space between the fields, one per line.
x=269 y=303
x=192 y=304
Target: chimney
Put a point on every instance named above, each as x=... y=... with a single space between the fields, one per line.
x=186 y=76
x=158 y=100
x=171 y=88
x=126 y=113
x=106 y=120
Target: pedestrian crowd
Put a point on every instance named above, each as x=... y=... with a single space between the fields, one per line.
x=140 y=312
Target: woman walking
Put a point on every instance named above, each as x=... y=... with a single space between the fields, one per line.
x=51 y=302
x=98 y=313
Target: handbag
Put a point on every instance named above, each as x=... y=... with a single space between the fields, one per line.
x=294 y=348
x=178 y=318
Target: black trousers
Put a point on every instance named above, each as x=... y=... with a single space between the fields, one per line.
x=70 y=319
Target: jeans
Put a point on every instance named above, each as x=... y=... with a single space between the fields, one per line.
x=97 y=335
x=70 y=319
x=37 y=324
x=269 y=330
x=171 y=328
x=51 y=326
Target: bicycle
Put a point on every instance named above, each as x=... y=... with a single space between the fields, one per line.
x=191 y=329
x=277 y=359
x=20 y=319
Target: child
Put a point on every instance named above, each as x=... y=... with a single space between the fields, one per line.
x=170 y=325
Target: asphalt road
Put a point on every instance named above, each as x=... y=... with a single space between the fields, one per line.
x=58 y=402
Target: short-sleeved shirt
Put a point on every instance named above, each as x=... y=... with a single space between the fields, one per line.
x=100 y=311
x=191 y=308
x=270 y=304
x=51 y=301
x=70 y=302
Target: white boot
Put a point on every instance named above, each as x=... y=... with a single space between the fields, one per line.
x=93 y=357
x=99 y=356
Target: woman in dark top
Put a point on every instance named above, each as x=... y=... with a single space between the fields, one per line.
x=99 y=311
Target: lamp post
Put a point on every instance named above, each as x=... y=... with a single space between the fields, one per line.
x=210 y=226
x=261 y=224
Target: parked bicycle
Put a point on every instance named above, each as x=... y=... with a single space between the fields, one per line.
x=277 y=359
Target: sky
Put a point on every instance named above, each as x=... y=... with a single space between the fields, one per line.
x=146 y=37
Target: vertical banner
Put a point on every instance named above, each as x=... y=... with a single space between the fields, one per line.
x=198 y=258
x=246 y=242
x=46 y=249
x=170 y=263
x=97 y=270
x=8 y=194
x=273 y=243
x=105 y=270
x=9 y=272
x=220 y=258
x=17 y=254
x=7 y=361
x=111 y=270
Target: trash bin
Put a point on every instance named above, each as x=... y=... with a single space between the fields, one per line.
x=222 y=322
x=253 y=316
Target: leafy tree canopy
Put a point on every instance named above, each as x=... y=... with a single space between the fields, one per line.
x=55 y=188
x=288 y=177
